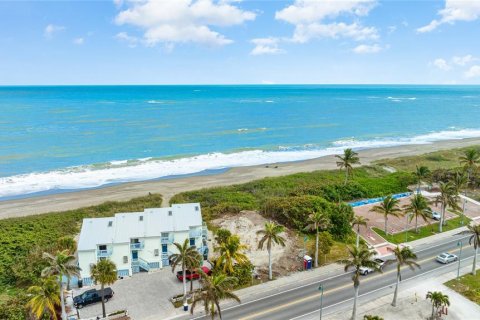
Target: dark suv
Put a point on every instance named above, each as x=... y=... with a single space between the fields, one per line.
x=92 y=296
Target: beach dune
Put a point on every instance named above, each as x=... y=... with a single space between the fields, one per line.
x=170 y=187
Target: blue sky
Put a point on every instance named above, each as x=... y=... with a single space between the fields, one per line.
x=239 y=42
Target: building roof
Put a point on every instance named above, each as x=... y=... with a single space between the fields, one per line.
x=150 y=223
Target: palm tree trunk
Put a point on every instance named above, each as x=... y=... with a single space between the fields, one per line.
x=103 y=301
x=346 y=175
x=358 y=236
x=184 y=285
x=474 y=267
x=316 y=249
x=394 y=302
x=354 y=312
x=433 y=311
x=62 y=298
x=386 y=231
x=416 y=223
x=269 y=264
x=440 y=225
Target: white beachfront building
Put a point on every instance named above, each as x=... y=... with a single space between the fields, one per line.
x=140 y=241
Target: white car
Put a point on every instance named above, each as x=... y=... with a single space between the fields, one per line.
x=446 y=258
x=436 y=216
x=364 y=270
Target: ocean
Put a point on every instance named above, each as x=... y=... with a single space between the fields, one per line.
x=58 y=138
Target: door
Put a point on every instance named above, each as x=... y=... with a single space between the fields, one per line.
x=134 y=255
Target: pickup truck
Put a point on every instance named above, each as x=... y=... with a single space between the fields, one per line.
x=193 y=275
x=92 y=296
x=364 y=270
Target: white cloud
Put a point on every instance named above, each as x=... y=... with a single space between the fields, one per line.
x=124 y=37
x=313 y=19
x=364 y=48
x=455 y=10
x=463 y=61
x=473 y=72
x=180 y=21
x=441 y=64
x=79 y=41
x=266 y=46
x=51 y=29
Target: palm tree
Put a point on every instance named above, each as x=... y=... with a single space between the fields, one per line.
x=105 y=272
x=459 y=181
x=418 y=207
x=470 y=161
x=359 y=257
x=389 y=207
x=186 y=256
x=359 y=221
x=214 y=289
x=474 y=231
x=44 y=298
x=317 y=220
x=230 y=252
x=271 y=234
x=370 y=317
x=421 y=174
x=67 y=243
x=346 y=161
x=447 y=198
x=438 y=300
x=62 y=264
x=193 y=265
x=403 y=257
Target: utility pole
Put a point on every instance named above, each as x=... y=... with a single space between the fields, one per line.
x=321 y=300
x=459 y=244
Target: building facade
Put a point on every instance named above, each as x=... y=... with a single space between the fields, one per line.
x=140 y=241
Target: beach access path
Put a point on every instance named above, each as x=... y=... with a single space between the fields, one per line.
x=170 y=187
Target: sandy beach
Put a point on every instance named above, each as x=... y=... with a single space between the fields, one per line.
x=170 y=187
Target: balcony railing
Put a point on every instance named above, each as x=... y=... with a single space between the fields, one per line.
x=195 y=233
x=104 y=253
x=137 y=245
x=166 y=240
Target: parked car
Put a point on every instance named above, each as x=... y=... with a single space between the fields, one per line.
x=92 y=296
x=446 y=258
x=193 y=275
x=436 y=216
x=364 y=270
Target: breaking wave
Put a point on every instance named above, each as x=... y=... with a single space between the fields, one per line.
x=91 y=176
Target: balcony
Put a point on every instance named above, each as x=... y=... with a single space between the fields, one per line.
x=166 y=240
x=195 y=233
x=104 y=253
x=137 y=245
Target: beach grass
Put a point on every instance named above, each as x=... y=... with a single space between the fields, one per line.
x=425 y=231
x=443 y=159
x=468 y=286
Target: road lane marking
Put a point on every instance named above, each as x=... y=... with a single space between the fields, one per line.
x=316 y=295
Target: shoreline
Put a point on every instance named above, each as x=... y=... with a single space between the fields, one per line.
x=171 y=186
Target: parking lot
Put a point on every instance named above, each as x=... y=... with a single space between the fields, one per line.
x=144 y=295
x=395 y=224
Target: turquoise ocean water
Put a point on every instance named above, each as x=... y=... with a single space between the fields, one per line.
x=64 y=138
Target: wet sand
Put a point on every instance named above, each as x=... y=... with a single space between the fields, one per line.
x=170 y=187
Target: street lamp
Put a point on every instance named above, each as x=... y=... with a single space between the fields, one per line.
x=321 y=300
x=459 y=244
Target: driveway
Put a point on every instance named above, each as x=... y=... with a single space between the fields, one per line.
x=143 y=295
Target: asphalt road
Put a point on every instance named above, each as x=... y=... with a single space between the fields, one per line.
x=305 y=300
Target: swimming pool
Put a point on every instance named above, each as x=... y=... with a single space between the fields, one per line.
x=375 y=200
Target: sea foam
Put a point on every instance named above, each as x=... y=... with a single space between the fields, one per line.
x=90 y=176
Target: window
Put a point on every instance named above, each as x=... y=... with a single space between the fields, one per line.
x=102 y=247
x=110 y=223
x=155 y=252
x=170 y=213
x=125 y=259
x=197 y=208
x=134 y=241
x=192 y=241
x=164 y=248
x=140 y=218
x=164 y=234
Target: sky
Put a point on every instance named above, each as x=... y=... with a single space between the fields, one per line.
x=239 y=42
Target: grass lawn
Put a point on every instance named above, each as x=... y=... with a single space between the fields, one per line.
x=443 y=159
x=337 y=252
x=423 y=232
x=468 y=286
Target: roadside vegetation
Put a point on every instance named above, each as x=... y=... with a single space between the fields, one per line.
x=467 y=285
